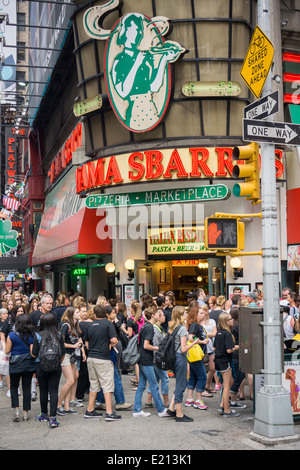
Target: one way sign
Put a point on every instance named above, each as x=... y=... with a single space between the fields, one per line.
x=263 y=108
x=271 y=132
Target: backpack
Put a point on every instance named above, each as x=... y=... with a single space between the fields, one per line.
x=131 y=355
x=50 y=353
x=166 y=355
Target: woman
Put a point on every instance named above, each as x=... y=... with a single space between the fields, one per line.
x=180 y=367
x=168 y=308
x=224 y=347
x=238 y=375
x=33 y=305
x=211 y=329
x=197 y=378
x=133 y=327
x=48 y=380
x=146 y=368
x=71 y=333
x=21 y=364
x=83 y=383
x=4 y=362
x=161 y=375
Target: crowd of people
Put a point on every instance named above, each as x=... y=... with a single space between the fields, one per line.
x=43 y=339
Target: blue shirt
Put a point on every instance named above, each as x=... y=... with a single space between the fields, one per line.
x=18 y=345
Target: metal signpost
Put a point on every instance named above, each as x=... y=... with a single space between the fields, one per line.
x=273 y=414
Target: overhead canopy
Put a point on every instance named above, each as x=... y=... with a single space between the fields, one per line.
x=68 y=228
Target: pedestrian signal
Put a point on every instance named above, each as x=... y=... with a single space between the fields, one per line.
x=249 y=170
x=224 y=233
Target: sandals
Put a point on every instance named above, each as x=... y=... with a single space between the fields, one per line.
x=209 y=390
x=134 y=382
x=207 y=395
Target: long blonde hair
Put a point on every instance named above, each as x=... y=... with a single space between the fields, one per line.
x=177 y=317
x=223 y=322
x=137 y=308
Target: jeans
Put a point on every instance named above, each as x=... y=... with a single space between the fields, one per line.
x=180 y=372
x=147 y=373
x=238 y=377
x=48 y=383
x=118 y=391
x=26 y=387
x=161 y=376
x=197 y=376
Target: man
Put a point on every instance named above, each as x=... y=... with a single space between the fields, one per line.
x=191 y=296
x=46 y=307
x=252 y=298
x=99 y=337
x=285 y=293
x=201 y=296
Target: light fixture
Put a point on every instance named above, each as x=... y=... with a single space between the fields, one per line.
x=236 y=263
x=199 y=278
x=110 y=268
x=129 y=265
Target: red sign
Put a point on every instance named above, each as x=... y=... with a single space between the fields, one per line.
x=156 y=165
x=64 y=157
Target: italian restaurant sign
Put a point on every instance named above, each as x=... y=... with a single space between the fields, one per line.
x=137 y=64
x=160 y=165
x=177 y=240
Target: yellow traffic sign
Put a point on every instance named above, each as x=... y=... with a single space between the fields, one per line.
x=258 y=61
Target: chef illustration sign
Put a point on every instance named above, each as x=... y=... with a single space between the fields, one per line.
x=137 y=65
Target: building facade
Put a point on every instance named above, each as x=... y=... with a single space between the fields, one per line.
x=135 y=135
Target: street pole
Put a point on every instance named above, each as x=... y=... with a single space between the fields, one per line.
x=273 y=412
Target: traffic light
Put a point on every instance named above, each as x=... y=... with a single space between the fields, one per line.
x=224 y=233
x=249 y=170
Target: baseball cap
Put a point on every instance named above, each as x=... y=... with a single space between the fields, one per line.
x=284 y=303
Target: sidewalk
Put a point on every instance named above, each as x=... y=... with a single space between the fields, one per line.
x=209 y=431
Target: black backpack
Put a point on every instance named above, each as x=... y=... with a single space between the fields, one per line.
x=166 y=355
x=50 y=353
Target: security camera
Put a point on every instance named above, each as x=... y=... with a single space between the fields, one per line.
x=277 y=78
x=284 y=23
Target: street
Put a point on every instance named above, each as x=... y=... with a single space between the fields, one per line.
x=208 y=431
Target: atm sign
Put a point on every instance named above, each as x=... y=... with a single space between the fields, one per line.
x=80 y=272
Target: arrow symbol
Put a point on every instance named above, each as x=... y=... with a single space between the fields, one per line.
x=286 y=134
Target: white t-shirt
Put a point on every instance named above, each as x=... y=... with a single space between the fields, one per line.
x=209 y=329
x=288 y=326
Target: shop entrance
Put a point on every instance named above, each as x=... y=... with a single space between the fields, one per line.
x=182 y=276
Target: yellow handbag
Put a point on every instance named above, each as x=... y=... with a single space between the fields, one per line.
x=195 y=353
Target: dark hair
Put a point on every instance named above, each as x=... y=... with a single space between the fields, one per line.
x=149 y=311
x=235 y=299
x=160 y=300
x=48 y=325
x=23 y=326
x=234 y=312
x=100 y=311
x=112 y=302
x=15 y=311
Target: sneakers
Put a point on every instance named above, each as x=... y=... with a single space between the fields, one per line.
x=42 y=417
x=60 y=411
x=16 y=416
x=33 y=396
x=189 y=403
x=231 y=414
x=100 y=406
x=218 y=387
x=141 y=414
x=71 y=412
x=124 y=406
x=183 y=419
x=25 y=416
x=53 y=423
x=112 y=417
x=200 y=405
x=149 y=405
x=92 y=414
x=163 y=414
x=76 y=403
x=237 y=405
x=171 y=414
